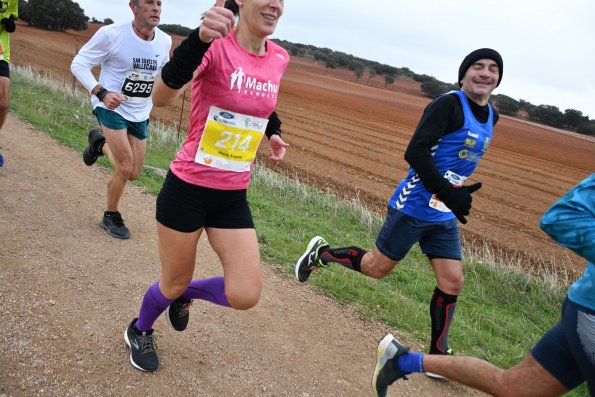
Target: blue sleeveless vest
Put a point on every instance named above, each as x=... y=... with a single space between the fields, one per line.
x=456 y=155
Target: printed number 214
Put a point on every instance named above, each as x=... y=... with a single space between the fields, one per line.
x=233 y=139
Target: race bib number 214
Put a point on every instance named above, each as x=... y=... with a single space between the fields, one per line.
x=230 y=140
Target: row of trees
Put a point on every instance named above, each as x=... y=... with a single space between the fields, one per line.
x=336 y=59
x=571 y=119
x=546 y=114
x=56 y=15
x=434 y=88
x=106 y=21
x=175 y=29
x=59 y=15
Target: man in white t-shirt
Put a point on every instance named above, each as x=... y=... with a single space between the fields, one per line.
x=131 y=55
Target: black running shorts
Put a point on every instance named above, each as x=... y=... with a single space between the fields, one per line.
x=186 y=208
x=4 y=69
x=567 y=351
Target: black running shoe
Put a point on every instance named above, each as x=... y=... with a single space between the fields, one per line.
x=114 y=225
x=178 y=313
x=143 y=350
x=386 y=371
x=310 y=259
x=93 y=151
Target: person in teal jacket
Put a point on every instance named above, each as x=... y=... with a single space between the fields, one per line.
x=563 y=358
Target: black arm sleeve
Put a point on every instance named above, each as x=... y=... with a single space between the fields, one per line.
x=274 y=125
x=442 y=116
x=186 y=58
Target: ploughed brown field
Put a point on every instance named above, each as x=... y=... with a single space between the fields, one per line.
x=350 y=137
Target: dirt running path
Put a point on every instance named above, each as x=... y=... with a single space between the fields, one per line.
x=67 y=291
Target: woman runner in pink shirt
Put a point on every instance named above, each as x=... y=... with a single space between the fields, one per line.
x=235 y=74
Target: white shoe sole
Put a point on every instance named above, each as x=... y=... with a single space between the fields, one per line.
x=166 y=313
x=130 y=347
x=435 y=376
x=381 y=358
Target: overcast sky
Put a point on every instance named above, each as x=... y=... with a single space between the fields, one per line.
x=548 y=46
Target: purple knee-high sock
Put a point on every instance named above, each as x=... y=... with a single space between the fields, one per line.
x=154 y=303
x=208 y=289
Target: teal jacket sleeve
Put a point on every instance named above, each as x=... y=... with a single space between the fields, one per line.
x=571 y=220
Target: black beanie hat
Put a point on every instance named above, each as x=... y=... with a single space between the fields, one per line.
x=482 y=53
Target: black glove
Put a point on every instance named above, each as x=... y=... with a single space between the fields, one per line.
x=9 y=24
x=458 y=200
x=274 y=125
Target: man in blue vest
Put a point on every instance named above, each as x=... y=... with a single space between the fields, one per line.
x=453 y=134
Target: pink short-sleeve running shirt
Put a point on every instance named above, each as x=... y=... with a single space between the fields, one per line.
x=232 y=98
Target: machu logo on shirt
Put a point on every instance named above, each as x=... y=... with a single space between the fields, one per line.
x=245 y=84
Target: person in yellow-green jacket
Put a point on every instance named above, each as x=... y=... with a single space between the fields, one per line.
x=9 y=11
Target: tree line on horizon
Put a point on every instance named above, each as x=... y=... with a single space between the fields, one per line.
x=59 y=15
x=570 y=119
